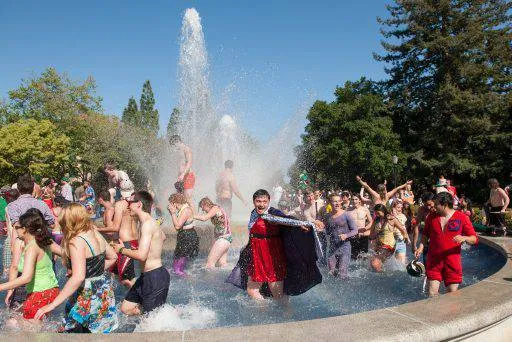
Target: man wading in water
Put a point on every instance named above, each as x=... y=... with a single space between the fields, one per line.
x=226 y=186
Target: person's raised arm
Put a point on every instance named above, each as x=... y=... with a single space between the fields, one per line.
x=375 y=195
x=178 y=222
x=394 y=191
x=211 y=213
x=29 y=265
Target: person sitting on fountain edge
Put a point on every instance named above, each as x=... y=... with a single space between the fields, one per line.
x=277 y=260
x=444 y=232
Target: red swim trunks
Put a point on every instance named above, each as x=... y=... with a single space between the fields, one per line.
x=36 y=300
x=189 y=180
x=124 y=266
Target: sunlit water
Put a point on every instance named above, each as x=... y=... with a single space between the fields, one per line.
x=203 y=299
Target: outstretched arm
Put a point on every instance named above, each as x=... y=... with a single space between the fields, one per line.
x=394 y=191
x=211 y=213
x=373 y=193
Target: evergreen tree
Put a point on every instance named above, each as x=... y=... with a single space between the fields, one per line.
x=149 y=114
x=131 y=114
x=449 y=64
x=174 y=121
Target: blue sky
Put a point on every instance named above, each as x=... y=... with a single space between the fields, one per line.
x=267 y=58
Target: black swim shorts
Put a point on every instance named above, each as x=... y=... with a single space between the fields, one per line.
x=150 y=289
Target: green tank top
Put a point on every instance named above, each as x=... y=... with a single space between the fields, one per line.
x=44 y=276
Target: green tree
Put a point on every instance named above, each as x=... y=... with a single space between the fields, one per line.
x=450 y=69
x=350 y=136
x=52 y=96
x=174 y=122
x=149 y=114
x=34 y=146
x=131 y=114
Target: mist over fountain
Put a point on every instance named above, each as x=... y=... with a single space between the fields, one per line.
x=215 y=136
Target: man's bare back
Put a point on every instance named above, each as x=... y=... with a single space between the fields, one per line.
x=126 y=223
x=223 y=185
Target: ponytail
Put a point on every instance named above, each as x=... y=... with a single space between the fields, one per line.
x=33 y=221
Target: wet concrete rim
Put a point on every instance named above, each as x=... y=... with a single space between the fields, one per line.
x=450 y=316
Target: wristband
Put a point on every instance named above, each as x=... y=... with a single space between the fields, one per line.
x=120 y=251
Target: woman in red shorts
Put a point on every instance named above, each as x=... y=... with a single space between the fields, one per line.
x=35 y=265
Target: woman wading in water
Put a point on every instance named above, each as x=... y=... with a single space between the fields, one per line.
x=222 y=232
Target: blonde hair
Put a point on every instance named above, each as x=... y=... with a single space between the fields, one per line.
x=177 y=198
x=73 y=220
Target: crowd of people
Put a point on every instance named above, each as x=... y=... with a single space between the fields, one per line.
x=292 y=242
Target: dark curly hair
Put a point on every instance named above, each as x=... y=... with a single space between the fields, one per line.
x=34 y=222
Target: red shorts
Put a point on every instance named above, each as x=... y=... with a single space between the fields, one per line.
x=189 y=180
x=36 y=300
x=447 y=268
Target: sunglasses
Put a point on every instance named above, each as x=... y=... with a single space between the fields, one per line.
x=130 y=201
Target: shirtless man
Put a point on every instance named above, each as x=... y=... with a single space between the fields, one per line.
x=104 y=199
x=126 y=227
x=226 y=186
x=151 y=288
x=497 y=205
x=186 y=175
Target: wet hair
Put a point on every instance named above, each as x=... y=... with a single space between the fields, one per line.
x=177 y=198
x=110 y=167
x=381 y=208
x=146 y=199
x=73 y=220
x=173 y=139
x=105 y=195
x=444 y=198
x=228 y=164
x=381 y=190
x=427 y=196
x=260 y=193
x=490 y=182
x=36 y=226
x=345 y=194
x=206 y=201
x=25 y=184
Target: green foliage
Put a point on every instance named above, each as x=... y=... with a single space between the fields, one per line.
x=449 y=65
x=149 y=114
x=174 y=122
x=32 y=146
x=350 y=136
x=131 y=114
x=51 y=96
x=478 y=216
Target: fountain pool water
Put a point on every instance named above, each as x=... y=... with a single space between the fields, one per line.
x=203 y=299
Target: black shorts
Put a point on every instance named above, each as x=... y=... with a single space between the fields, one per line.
x=150 y=289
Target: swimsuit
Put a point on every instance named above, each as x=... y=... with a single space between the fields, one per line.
x=150 y=289
x=222 y=227
x=92 y=308
x=124 y=266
